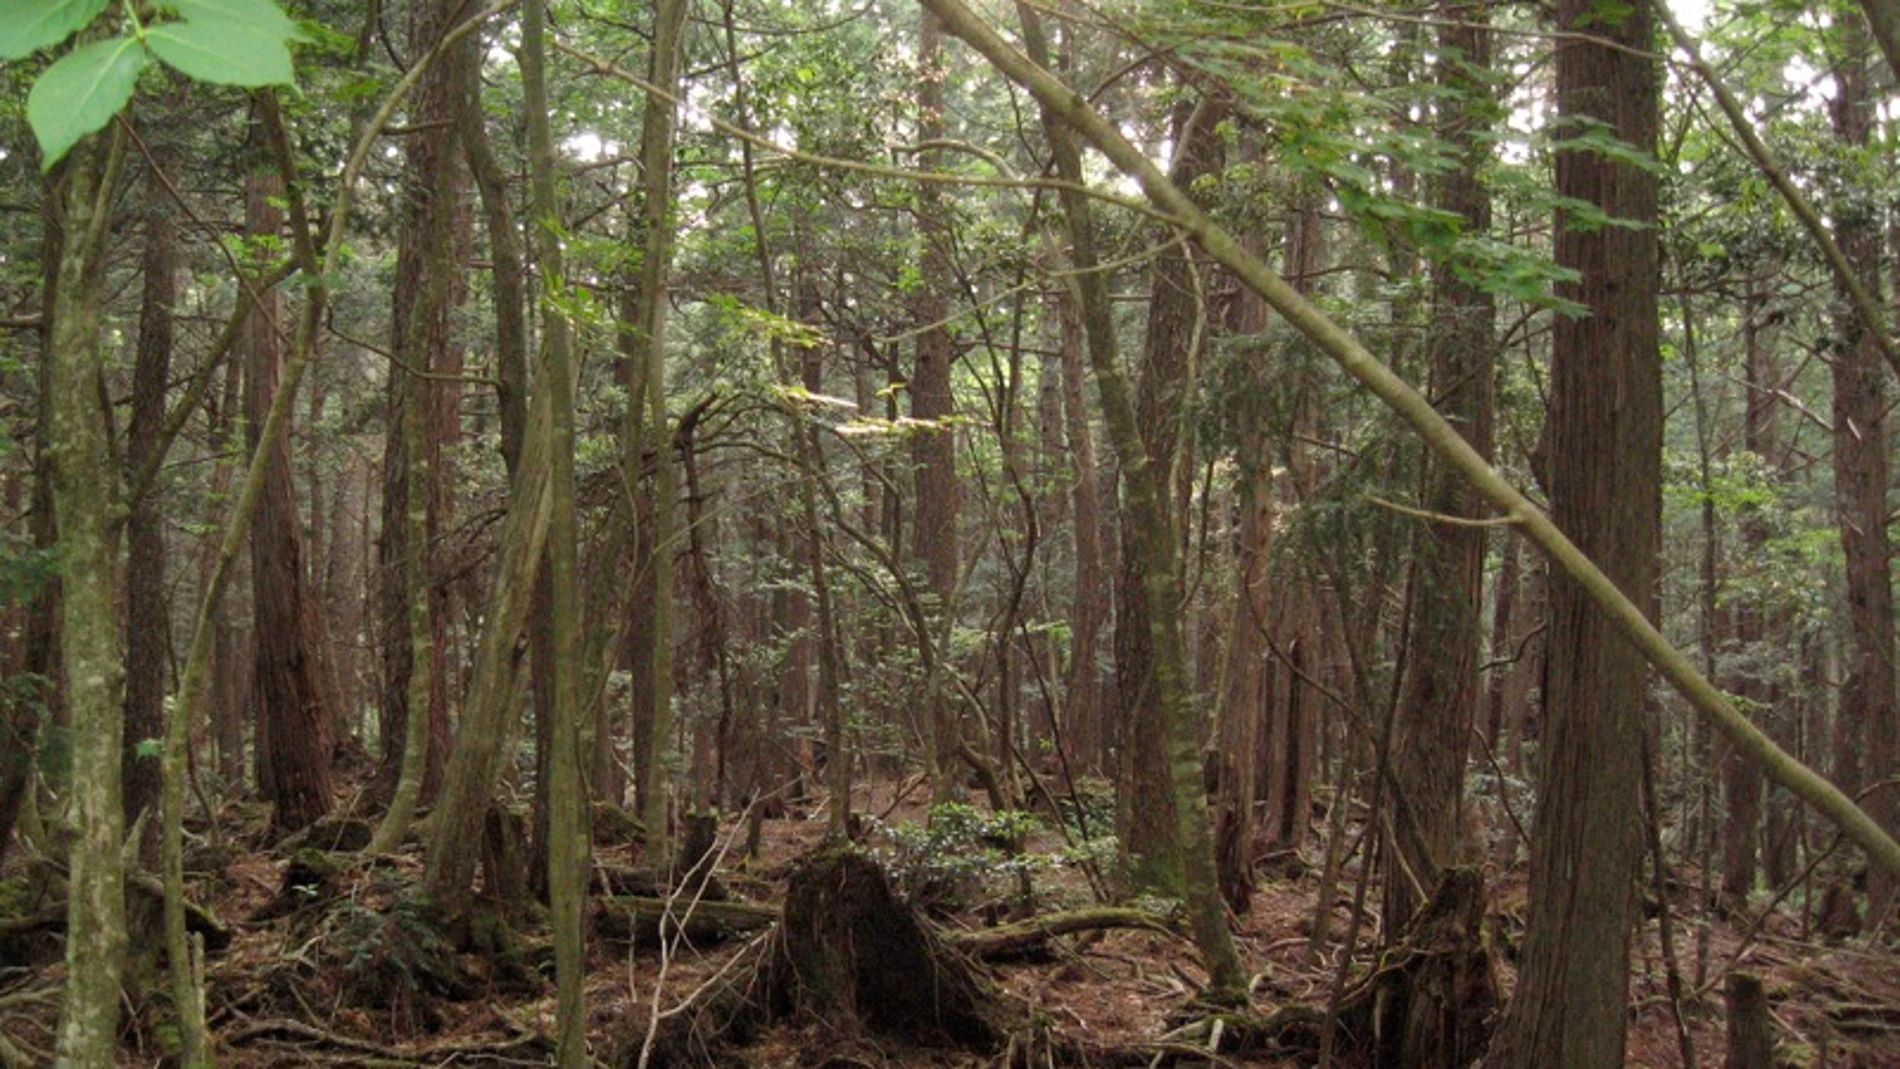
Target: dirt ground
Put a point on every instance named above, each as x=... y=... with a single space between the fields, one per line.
x=360 y=982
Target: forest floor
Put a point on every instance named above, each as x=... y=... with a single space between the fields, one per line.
x=351 y=978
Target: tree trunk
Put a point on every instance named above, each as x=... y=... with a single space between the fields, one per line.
x=1093 y=597
x=427 y=278
x=1149 y=517
x=932 y=404
x=1605 y=446
x=1866 y=721
x=92 y=664
x=568 y=836
x=1437 y=708
x=1146 y=804
x=293 y=722
x=147 y=612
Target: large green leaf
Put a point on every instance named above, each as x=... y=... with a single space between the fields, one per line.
x=262 y=16
x=227 y=54
x=81 y=92
x=26 y=26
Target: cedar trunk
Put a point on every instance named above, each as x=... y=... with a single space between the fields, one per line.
x=1605 y=445
x=293 y=722
x=1866 y=719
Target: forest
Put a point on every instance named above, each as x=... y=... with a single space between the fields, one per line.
x=860 y=533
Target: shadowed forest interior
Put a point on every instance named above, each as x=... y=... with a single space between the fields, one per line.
x=861 y=533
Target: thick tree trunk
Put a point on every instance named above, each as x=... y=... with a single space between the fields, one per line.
x=414 y=479
x=1146 y=805
x=293 y=722
x=1865 y=724
x=1605 y=447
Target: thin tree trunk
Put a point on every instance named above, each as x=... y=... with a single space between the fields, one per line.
x=1149 y=516
x=658 y=132
x=147 y=614
x=568 y=837
x=92 y=664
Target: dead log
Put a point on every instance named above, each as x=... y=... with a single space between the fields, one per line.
x=642 y=921
x=1034 y=937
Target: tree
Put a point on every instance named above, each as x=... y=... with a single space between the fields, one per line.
x=1868 y=712
x=568 y=825
x=422 y=408
x=932 y=403
x=293 y=719
x=92 y=664
x=1437 y=709
x=1604 y=436
x=1147 y=803
x=147 y=609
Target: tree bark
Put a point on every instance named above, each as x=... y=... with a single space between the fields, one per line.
x=568 y=836
x=932 y=404
x=427 y=277
x=1146 y=802
x=92 y=663
x=1149 y=517
x=293 y=721
x=1605 y=445
x=147 y=613
x=1866 y=721
x=658 y=131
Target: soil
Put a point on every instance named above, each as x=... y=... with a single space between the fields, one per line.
x=359 y=976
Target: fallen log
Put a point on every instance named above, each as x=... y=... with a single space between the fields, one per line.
x=1035 y=936
x=643 y=920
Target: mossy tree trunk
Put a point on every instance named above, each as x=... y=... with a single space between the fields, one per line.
x=92 y=664
x=653 y=715
x=1148 y=518
x=567 y=810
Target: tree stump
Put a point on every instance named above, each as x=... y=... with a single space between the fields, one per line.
x=1751 y=1039
x=849 y=956
x=850 y=953
x=1433 y=997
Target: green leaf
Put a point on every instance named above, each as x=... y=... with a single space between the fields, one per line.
x=261 y=16
x=26 y=26
x=81 y=93
x=222 y=54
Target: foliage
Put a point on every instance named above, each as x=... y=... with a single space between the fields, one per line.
x=957 y=852
x=224 y=42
